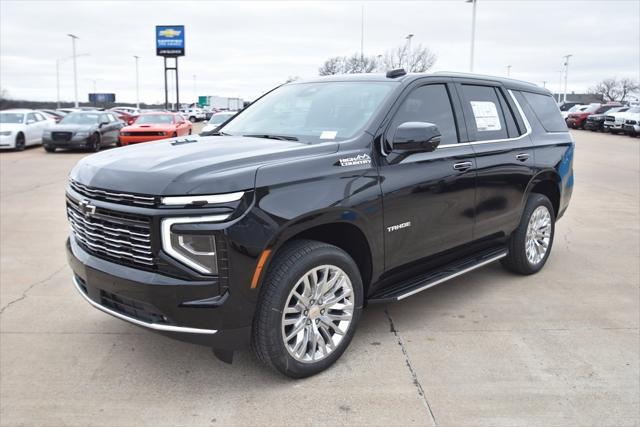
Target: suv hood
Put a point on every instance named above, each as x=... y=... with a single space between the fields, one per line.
x=204 y=165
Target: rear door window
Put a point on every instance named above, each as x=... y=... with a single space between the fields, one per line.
x=485 y=118
x=546 y=110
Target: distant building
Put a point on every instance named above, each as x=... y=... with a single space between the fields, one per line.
x=582 y=98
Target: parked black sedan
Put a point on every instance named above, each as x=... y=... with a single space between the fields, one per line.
x=595 y=122
x=89 y=130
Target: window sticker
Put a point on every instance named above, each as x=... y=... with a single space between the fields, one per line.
x=328 y=134
x=486 y=114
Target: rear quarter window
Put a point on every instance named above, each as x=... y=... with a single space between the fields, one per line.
x=547 y=112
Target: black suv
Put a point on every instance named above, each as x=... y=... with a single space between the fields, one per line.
x=321 y=197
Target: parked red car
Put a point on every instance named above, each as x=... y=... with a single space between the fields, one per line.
x=153 y=126
x=578 y=119
x=125 y=117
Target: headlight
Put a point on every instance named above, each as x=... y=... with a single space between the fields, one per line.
x=82 y=134
x=5 y=133
x=193 y=248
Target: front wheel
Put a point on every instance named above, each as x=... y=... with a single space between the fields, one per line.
x=192 y=119
x=530 y=244
x=93 y=143
x=20 y=142
x=309 y=307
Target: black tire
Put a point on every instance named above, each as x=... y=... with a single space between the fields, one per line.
x=20 y=142
x=192 y=119
x=516 y=260
x=118 y=142
x=289 y=265
x=175 y=134
x=189 y=131
x=93 y=143
x=49 y=149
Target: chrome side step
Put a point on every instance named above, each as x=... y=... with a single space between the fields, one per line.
x=412 y=286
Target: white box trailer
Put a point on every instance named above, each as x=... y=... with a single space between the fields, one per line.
x=225 y=103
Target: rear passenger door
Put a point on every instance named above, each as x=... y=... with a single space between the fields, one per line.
x=504 y=155
x=428 y=197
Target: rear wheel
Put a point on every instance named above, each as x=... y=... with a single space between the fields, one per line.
x=309 y=307
x=20 y=142
x=530 y=245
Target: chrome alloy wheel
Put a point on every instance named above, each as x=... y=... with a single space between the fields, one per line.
x=317 y=314
x=538 y=235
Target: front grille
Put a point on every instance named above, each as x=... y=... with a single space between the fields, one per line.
x=116 y=236
x=112 y=196
x=61 y=136
x=609 y=119
x=129 y=307
x=143 y=133
x=631 y=122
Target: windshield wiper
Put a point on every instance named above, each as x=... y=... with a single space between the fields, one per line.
x=270 y=136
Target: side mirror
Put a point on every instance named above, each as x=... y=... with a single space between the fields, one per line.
x=103 y=123
x=30 y=121
x=416 y=137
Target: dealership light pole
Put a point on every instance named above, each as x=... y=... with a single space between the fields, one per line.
x=566 y=75
x=473 y=33
x=137 y=83
x=58 y=61
x=508 y=70
x=75 y=69
x=195 y=88
x=408 y=38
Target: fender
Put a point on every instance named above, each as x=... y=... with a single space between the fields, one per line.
x=543 y=175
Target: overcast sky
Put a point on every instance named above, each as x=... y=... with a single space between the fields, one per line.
x=245 y=48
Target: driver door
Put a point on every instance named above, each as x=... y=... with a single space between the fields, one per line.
x=428 y=197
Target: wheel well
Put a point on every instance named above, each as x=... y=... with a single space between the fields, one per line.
x=549 y=189
x=347 y=237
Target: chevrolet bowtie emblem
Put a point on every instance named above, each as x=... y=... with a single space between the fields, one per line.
x=86 y=208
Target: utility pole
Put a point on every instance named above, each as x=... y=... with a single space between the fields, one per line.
x=409 y=37
x=473 y=33
x=544 y=83
x=195 y=89
x=58 y=83
x=137 y=83
x=508 y=70
x=362 y=32
x=566 y=74
x=75 y=69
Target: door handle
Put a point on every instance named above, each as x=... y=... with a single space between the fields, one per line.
x=522 y=157
x=462 y=166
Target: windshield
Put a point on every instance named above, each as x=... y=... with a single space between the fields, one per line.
x=156 y=119
x=634 y=110
x=80 y=119
x=567 y=107
x=11 y=118
x=312 y=111
x=218 y=119
x=575 y=108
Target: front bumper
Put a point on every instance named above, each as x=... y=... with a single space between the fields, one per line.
x=74 y=142
x=8 y=142
x=613 y=126
x=190 y=311
x=593 y=125
x=134 y=139
x=574 y=123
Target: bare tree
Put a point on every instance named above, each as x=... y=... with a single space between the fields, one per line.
x=332 y=66
x=613 y=89
x=418 y=60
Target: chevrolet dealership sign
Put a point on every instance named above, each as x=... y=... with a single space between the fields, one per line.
x=170 y=40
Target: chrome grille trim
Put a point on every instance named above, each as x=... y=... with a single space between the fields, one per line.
x=112 y=234
x=111 y=195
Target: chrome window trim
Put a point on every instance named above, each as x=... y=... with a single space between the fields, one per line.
x=167 y=223
x=527 y=126
x=212 y=198
x=155 y=326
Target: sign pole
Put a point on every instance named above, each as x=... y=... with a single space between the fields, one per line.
x=166 y=87
x=177 y=90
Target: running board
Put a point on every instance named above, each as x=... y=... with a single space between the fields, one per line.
x=420 y=283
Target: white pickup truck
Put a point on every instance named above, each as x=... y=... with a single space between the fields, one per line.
x=193 y=114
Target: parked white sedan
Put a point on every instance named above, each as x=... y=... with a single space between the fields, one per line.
x=21 y=127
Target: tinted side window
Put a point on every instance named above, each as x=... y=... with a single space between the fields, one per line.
x=547 y=112
x=31 y=116
x=509 y=118
x=429 y=104
x=485 y=119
